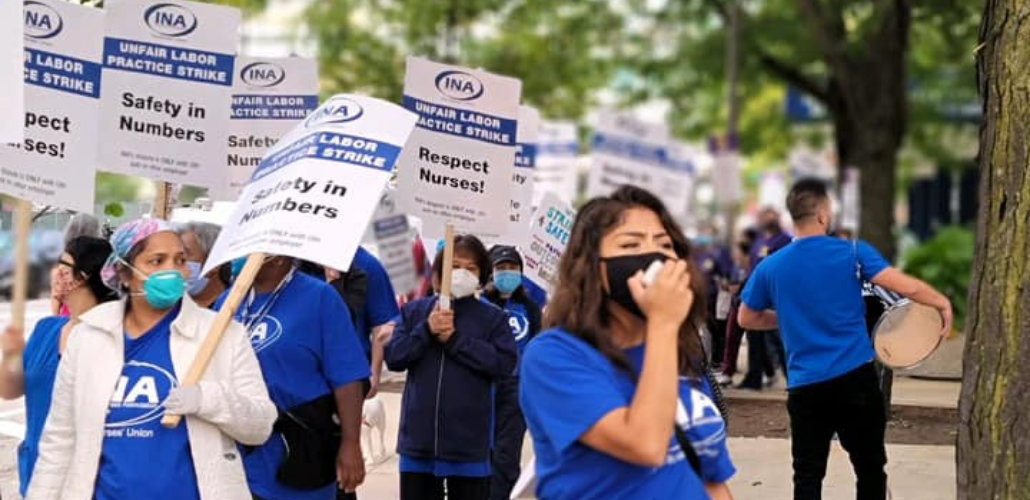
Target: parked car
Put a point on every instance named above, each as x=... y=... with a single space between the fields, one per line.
x=45 y=249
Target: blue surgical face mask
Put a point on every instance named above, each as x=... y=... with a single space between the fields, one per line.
x=197 y=282
x=507 y=281
x=162 y=289
x=703 y=240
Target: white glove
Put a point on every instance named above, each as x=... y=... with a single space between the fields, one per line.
x=183 y=400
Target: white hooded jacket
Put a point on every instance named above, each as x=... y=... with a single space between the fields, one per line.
x=234 y=405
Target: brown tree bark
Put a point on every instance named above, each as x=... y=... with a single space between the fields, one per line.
x=994 y=432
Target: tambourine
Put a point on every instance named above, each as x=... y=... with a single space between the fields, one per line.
x=907 y=334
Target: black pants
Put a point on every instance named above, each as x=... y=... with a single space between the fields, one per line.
x=429 y=487
x=717 y=329
x=508 y=435
x=852 y=407
x=759 y=360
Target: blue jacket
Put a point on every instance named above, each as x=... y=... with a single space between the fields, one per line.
x=447 y=411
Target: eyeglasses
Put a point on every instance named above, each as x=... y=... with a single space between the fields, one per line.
x=65 y=263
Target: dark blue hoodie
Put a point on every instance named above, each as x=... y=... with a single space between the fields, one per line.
x=447 y=410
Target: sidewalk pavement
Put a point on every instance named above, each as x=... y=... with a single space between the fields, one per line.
x=763 y=465
x=907 y=391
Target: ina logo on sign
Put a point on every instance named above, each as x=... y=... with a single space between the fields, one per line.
x=339 y=110
x=262 y=74
x=459 y=85
x=42 y=21
x=169 y=19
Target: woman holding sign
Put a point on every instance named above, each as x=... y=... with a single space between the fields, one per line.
x=454 y=356
x=118 y=376
x=613 y=392
x=33 y=367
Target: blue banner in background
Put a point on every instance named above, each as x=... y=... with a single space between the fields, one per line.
x=63 y=73
x=273 y=107
x=172 y=62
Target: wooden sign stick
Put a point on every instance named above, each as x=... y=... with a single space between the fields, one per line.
x=20 y=292
x=448 y=266
x=225 y=315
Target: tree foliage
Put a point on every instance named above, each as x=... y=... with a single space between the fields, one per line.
x=562 y=50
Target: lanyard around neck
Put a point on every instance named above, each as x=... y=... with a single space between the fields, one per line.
x=259 y=316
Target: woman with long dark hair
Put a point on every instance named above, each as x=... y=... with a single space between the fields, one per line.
x=77 y=273
x=614 y=392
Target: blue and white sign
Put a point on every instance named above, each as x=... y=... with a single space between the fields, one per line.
x=458 y=165
x=677 y=189
x=521 y=207
x=549 y=234
x=627 y=151
x=56 y=162
x=270 y=97
x=169 y=69
x=556 y=153
x=393 y=237
x=315 y=191
x=12 y=97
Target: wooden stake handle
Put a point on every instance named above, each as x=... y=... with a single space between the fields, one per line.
x=448 y=266
x=225 y=315
x=20 y=292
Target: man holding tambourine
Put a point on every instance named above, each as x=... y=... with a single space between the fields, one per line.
x=812 y=291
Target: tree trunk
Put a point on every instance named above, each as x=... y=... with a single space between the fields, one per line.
x=994 y=435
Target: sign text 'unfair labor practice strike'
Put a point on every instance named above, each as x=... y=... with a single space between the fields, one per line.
x=270 y=96
x=168 y=76
x=56 y=162
x=458 y=165
x=313 y=194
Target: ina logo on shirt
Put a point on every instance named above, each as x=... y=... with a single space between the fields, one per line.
x=265 y=333
x=137 y=399
x=519 y=325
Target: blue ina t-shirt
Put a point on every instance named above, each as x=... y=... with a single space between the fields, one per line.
x=539 y=295
x=39 y=362
x=133 y=434
x=381 y=302
x=704 y=425
x=567 y=386
x=518 y=320
x=307 y=348
x=813 y=285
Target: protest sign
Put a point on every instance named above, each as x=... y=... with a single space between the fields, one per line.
x=56 y=162
x=556 y=152
x=548 y=236
x=522 y=176
x=677 y=189
x=393 y=237
x=457 y=166
x=315 y=191
x=626 y=151
x=12 y=98
x=165 y=103
x=269 y=97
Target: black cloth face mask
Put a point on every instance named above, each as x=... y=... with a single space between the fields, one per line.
x=620 y=270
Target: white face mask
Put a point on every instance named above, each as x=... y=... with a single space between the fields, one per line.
x=463 y=283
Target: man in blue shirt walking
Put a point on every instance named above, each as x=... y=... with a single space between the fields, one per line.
x=812 y=291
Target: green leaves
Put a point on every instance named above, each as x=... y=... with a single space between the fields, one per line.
x=563 y=51
x=946 y=263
